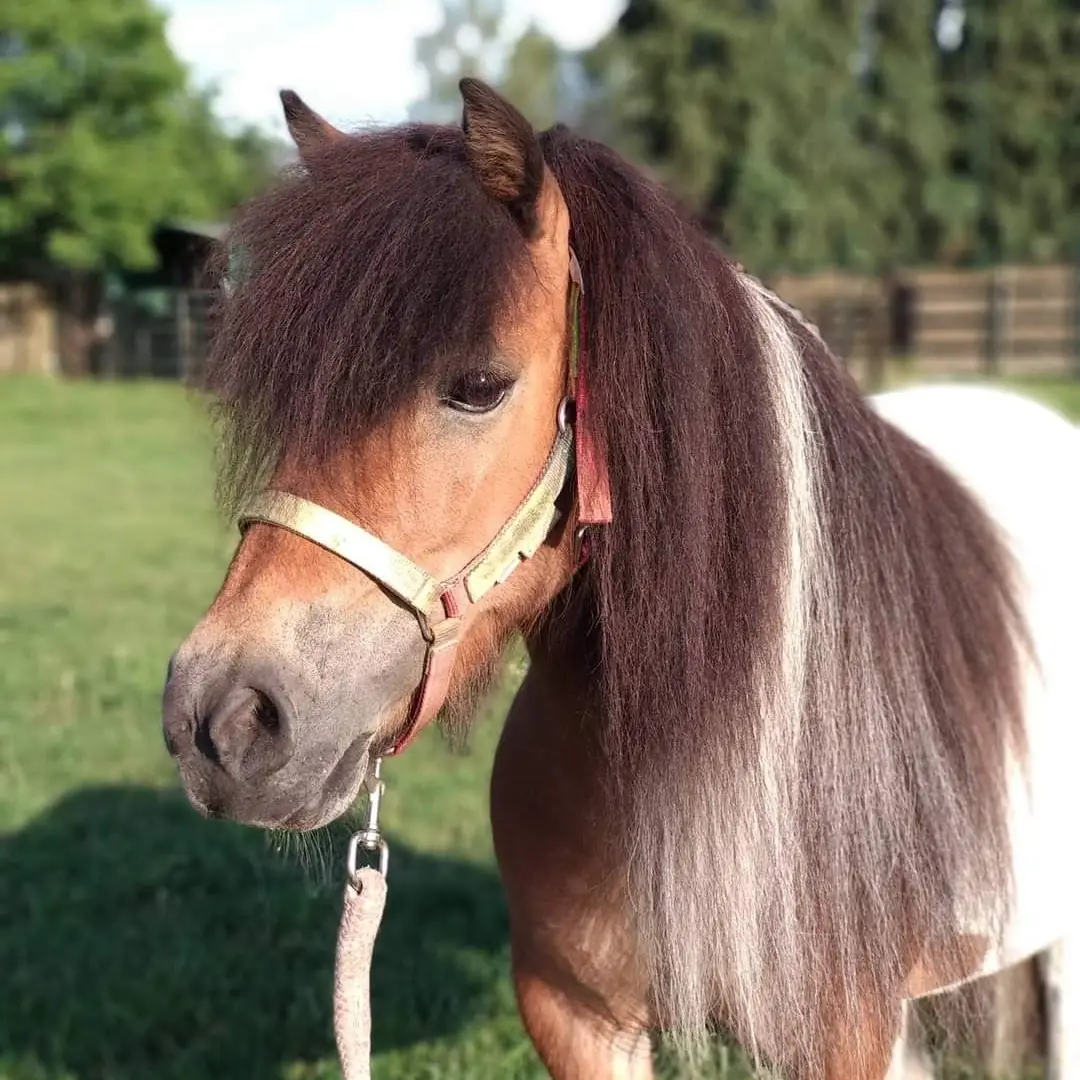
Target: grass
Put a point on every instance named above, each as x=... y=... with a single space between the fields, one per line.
x=137 y=940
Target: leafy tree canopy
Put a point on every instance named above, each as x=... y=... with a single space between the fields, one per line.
x=859 y=133
x=102 y=136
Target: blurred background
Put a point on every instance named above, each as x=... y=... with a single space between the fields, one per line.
x=906 y=172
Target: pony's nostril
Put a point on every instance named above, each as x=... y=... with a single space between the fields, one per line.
x=266 y=713
x=247 y=734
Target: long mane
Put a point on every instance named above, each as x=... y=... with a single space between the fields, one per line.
x=810 y=646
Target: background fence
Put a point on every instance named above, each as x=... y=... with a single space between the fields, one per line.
x=1010 y=320
x=154 y=332
x=160 y=332
x=27 y=329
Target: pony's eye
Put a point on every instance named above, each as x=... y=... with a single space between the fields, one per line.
x=478 y=391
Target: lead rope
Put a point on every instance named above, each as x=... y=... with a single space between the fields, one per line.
x=362 y=911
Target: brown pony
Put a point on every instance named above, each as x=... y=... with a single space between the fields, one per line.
x=755 y=774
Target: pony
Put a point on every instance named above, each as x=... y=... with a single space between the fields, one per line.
x=795 y=742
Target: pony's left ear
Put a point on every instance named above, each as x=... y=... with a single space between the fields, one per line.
x=308 y=129
x=503 y=152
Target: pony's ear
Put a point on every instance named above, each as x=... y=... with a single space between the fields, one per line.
x=308 y=129
x=503 y=151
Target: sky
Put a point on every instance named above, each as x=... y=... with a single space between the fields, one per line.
x=351 y=60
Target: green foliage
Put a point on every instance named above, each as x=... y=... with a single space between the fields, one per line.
x=1012 y=97
x=795 y=194
x=906 y=195
x=101 y=137
x=840 y=132
x=683 y=96
x=532 y=76
x=223 y=168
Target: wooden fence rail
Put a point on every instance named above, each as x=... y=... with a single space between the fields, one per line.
x=1010 y=320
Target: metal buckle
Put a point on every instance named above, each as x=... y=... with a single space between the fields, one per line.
x=565 y=414
x=369 y=839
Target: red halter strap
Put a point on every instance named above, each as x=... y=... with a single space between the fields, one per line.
x=593 y=483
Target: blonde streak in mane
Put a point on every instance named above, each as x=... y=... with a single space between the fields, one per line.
x=816 y=678
x=841 y=689
x=747 y=933
x=752 y=935
x=770 y=847
x=805 y=535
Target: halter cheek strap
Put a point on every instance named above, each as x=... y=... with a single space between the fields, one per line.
x=439 y=606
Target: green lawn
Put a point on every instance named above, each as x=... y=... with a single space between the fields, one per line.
x=136 y=940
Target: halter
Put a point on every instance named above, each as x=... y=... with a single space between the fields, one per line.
x=440 y=606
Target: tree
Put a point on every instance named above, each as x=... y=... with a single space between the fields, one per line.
x=466 y=43
x=911 y=195
x=770 y=119
x=1012 y=99
x=101 y=139
x=681 y=99
x=801 y=194
x=226 y=167
x=858 y=133
x=547 y=83
x=533 y=77
x=853 y=170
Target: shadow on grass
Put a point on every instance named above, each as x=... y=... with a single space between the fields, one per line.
x=138 y=940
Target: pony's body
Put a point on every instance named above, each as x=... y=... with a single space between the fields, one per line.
x=768 y=765
x=1021 y=460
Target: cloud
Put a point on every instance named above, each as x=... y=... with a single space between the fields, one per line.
x=353 y=60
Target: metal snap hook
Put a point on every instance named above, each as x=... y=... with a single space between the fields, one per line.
x=371 y=843
x=580 y=545
x=369 y=839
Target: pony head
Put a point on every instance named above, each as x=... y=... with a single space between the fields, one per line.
x=395 y=352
